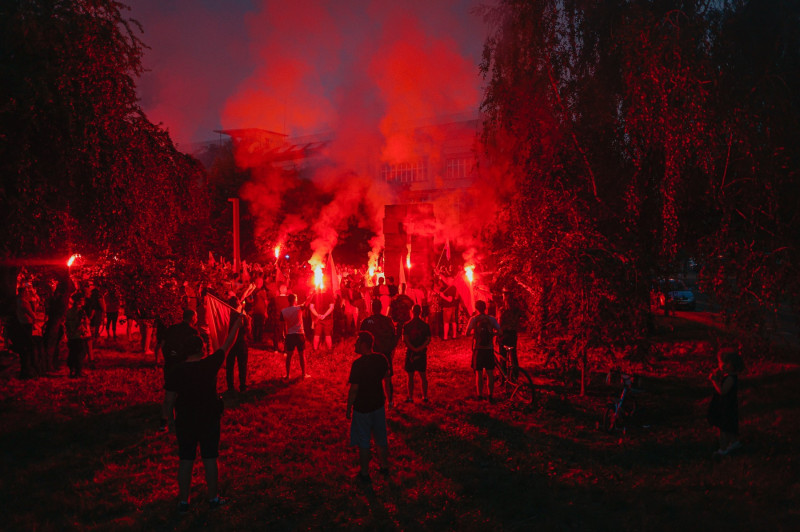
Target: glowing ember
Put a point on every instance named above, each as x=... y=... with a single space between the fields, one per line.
x=470 y=272
x=408 y=261
x=319 y=279
x=277 y=251
x=72 y=260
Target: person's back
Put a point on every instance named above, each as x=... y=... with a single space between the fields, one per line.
x=383 y=330
x=483 y=335
x=175 y=339
x=196 y=385
x=368 y=371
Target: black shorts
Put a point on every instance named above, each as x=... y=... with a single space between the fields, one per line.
x=191 y=434
x=294 y=341
x=416 y=362
x=482 y=359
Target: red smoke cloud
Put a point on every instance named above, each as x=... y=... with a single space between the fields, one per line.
x=367 y=71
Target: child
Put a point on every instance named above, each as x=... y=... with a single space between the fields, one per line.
x=723 y=412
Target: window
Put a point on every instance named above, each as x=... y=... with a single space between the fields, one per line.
x=409 y=172
x=459 y=168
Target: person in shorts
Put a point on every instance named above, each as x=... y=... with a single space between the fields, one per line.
x=483 y=328
x=192 y=395
x=366 y=405
x=384 y=341
x=417 y=336
x=292 y=318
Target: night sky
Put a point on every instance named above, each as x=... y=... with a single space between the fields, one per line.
x=308 y=66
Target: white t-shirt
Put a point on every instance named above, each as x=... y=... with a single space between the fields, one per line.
x=293 y=316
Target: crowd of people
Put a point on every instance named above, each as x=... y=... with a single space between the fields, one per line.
x=285 y=312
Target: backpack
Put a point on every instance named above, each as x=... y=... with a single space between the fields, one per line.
x=484 y=333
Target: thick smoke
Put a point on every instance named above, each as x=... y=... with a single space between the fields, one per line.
x=360 y=75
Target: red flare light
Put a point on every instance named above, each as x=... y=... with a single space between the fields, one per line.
x=469 y=271
x=319 y=279
x=72 y=260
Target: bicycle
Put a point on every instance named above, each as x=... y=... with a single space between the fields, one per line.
x=515 y=381
x=619 y=411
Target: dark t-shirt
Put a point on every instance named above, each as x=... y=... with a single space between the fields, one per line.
x=196 y=385
x=368 y=371
x=175 y=338
x=416 y=332
x=383 y=331
x=452 y=293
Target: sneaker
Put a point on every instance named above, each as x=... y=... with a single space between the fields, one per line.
x=216 y=502
x=183 y=508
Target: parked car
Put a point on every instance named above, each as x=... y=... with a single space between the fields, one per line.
x=673 y=293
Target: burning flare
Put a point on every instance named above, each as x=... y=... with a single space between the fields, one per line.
x=277 y=251
x=469 y=271
x=319 y=279
x=72 y=260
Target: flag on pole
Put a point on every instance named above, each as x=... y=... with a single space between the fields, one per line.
x=334 y=274
x=402 y=275
x=218 y=318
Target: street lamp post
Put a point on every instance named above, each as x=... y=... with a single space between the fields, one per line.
x=237 y=259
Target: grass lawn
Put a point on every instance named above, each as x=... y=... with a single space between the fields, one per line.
x=85 y=454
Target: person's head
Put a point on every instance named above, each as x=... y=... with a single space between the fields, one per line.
x=730 y=361
x=193 y=348
x=402 y=288
x=376 y=306
x=77 y=298
x=381 y=280
x=390 y=280
x=416 y=310
x=291 y=298
x=283 y=289
x=480 y=306
x=189 y=316
x=364 y=343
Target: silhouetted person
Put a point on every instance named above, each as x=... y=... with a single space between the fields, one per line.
x=365 y=405
x=192 y=395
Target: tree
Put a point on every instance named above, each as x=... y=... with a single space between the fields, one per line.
x=603 y=113
x=83 y=168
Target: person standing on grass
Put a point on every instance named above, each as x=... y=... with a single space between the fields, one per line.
x=365 y=405
x=238 y=353
x=76 y=325
x=385 y=340
x=417 y=336
x=321 y=308
x=173 y=347
x=510 y=322
x=484 y=328
x=192 y=396
x=292 y=322
x=723 y=411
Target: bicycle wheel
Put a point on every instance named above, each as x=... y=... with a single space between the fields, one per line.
x=609 y=418
x=525 y=391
